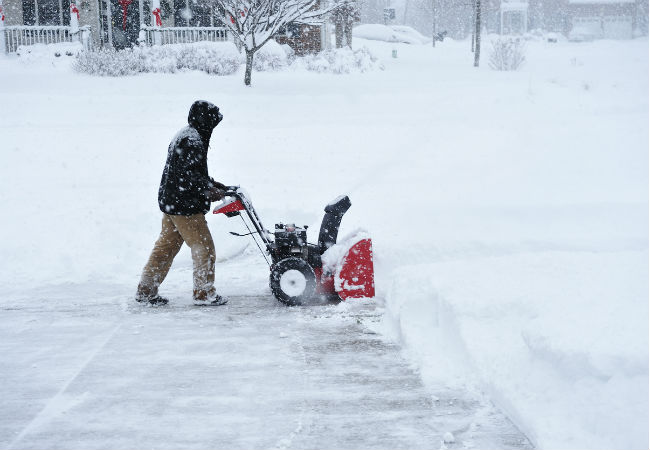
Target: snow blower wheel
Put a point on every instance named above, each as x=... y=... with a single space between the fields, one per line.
x=293 y=281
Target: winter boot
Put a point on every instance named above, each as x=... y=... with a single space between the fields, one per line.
x=155 y=300
x=208 y=299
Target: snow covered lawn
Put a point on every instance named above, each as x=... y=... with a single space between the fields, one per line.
x=508 y=210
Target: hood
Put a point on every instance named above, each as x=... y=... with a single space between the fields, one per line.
x=204 y=116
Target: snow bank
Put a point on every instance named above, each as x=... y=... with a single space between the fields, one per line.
x=218 y=58
x=48 y=54
x=409 y=35
x=393 y=33
x=565 y=356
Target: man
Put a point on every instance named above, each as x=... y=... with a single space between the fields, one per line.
x=184 y=197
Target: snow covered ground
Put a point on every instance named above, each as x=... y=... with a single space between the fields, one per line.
x=509 y=216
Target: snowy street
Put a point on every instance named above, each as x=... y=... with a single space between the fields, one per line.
x=508 y=213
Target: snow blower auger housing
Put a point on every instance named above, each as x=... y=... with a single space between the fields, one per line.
x=300 y=271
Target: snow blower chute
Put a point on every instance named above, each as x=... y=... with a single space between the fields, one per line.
x=301 y=271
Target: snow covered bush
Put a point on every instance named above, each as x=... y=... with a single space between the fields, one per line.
x=507 y=53
x=107 y=62
x=272 y=56
x=342 y=60
x=218 y=58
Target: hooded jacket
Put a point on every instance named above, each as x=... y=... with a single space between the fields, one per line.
x=185 y=182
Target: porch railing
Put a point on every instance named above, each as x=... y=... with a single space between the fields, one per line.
x=184 y=35
x=17 y=35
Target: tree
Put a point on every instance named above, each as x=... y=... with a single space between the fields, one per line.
x=477 y=33
x=255 y=22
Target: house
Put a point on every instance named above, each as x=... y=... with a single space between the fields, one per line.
x=513 y=15
x=608 y=19
x=577 y=19
x=123 y=23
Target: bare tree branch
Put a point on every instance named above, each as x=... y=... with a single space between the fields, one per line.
x=254 y=22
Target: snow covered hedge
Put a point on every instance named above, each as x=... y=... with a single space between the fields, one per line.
x=273 y=56
x=218 y=58
x=341 y=61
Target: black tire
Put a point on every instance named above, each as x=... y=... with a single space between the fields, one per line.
x=292 y=281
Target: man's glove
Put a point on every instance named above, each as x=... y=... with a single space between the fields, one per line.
x=214 y=194
x=218 y=185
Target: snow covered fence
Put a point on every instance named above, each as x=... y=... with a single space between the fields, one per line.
x=218 y=58
x=183 y=35
x=16 y=36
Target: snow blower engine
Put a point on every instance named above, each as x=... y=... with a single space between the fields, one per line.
x=301 y=272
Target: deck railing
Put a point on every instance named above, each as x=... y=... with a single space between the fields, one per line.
x=184 y=35
x=17 y=35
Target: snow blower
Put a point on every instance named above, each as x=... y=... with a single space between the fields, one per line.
x=301 y=272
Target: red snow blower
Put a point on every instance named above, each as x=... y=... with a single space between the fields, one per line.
x=301 y=272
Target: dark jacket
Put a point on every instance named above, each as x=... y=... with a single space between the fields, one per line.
x=185 y=184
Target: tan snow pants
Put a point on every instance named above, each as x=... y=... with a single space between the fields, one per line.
x=193 y=230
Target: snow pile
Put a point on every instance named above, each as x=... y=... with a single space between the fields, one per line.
x=48 y=53
x=218 y=58
x=540 y=35
x=393 y=33
x=340 y=61
x=564 y=355
x=272 y=56
x=409 y=35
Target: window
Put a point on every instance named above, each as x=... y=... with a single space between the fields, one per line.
x=45 y=12
x=196 y=13
x=29 y=12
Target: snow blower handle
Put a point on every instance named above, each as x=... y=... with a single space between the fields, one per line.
x=231 y=190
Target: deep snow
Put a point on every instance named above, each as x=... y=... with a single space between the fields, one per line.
x=509 y=212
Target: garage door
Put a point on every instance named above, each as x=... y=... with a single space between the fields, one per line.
x=617 y=27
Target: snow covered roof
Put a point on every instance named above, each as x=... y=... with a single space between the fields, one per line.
x=514 y=5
